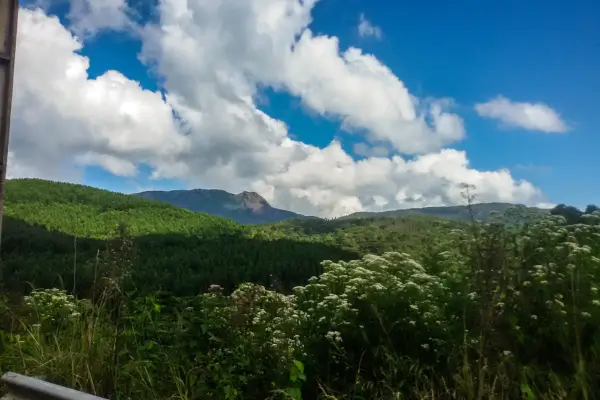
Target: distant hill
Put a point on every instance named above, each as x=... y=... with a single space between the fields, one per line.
x=245 y=207
x=251 y=208
x=481 y=212
x=57 y=235
x=89 y=212
x=55 y=232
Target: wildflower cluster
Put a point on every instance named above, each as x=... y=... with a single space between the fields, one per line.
x=52 y=305
x=272 y=321
x=389 y=295
x=562 y=278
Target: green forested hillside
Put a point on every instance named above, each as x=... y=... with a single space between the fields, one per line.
x=94 y=213
x=481 y=212
x=175 y=250
x=129 y=298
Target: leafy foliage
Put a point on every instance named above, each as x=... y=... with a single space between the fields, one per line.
x=508 y=308
x=572 y=214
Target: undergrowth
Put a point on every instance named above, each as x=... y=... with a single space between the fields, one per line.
x=503 y=310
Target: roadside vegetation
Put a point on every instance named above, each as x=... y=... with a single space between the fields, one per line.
x=133 y=299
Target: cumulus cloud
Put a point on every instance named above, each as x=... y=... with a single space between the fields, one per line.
x=367 y=96
x=59 y=113
x=367 y=29
x=236 y=46
x=530 y=116
x=207 y=129
x=348 y=186
x=90 y=16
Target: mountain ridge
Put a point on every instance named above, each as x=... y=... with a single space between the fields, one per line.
x=481 y=211
x=251 y=208
x=244 y=207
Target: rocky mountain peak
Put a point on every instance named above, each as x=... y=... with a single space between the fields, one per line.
x=252 y=197
x=245 y=207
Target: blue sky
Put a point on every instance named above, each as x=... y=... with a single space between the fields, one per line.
x=527 y=51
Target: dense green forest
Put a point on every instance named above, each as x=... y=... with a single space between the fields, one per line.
x=56 y=233
x=481 y=211
x=129 y=298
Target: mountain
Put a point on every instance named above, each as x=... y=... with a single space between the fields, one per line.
x=245 y=207
x=481 y=212
x=251 y=208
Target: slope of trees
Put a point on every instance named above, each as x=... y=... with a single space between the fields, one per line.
x=55 y=234
x=573 y=214
x=481 y=211
x=83 y=211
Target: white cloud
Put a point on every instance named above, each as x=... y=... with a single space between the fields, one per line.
x=236 y=46
x=90 y=16
x=350 y=186
x=530 y=116
x=213 y=57
x=545 y=206
x=112 y=164
x=59 y=113
x=367 y=29
x=367 y=96
x=363 y=149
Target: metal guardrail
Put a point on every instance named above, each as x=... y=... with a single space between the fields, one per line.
x=21 y=387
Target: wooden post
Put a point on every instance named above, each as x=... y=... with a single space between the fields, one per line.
x=9 y=10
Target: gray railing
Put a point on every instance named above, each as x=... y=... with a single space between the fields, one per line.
x=21 y=387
